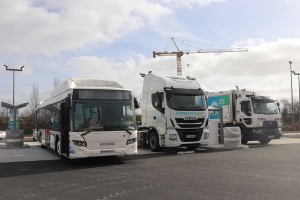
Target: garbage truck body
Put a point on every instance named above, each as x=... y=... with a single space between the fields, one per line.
x=258 y=116
x=174 y=113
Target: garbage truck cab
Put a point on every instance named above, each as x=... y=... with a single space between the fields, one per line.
x=258 y=117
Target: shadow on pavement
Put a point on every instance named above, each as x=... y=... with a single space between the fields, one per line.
x=37 y=167
x=11 y=169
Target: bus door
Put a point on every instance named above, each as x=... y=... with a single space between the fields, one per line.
x=65 y=128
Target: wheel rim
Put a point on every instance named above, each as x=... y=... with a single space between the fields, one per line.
x=58 y=148
x=153 y=142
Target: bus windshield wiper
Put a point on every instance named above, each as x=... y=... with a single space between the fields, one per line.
x=127 y=130
x=95 y=129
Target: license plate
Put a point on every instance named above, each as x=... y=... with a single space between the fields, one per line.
x=271 y=136
x=107 y=151
x=190 y=136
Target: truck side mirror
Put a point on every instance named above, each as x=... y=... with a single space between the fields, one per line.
x=136 y=103
x=278 y=104
x=68 y=103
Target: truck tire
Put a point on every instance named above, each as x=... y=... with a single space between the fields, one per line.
x=264 y=139
x=244 y=140
x=154 y=142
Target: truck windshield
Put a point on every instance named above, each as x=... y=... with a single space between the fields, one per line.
x=103 y=115
x=187 y=102
x=265 y=106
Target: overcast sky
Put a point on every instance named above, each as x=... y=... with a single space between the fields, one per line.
x=115 y=39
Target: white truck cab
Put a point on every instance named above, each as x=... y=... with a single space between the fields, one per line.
x=174 y=112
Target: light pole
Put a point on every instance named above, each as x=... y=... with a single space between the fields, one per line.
x=298 y=74
x=293 y=119
x=14 y=107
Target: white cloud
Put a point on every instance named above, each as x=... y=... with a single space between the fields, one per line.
x=47 y=27
x=125 y=72
x=52 y=27
x=35 y=27
x=189 y=3
x=264 y=68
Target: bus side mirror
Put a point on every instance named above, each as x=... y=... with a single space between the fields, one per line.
x=136 y=103
x=68 y=103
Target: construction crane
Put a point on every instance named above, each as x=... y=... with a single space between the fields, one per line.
x=179 y=54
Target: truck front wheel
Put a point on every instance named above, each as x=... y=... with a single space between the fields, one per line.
x=264 y=139
x=244 y=140
x=154 y=142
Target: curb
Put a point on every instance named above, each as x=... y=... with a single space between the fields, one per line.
x=295 y=135
x=225 y=148
x=3 y=146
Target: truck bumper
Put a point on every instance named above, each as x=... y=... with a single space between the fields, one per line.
x=256 y=133
x=185 y=137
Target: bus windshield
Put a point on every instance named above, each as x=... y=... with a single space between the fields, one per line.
x=103 y=115
x=265 y=106
x=187 y=102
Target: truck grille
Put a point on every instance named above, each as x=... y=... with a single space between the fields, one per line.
x=190 y=135
x=196 y=123
x=270 y=124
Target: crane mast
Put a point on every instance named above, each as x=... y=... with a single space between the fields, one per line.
x=179 y=54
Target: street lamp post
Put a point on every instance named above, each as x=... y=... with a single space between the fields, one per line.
x=298 y=74
x=14 y=107
x=293 y=119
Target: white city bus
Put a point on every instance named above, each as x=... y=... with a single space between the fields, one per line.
x=88 y=118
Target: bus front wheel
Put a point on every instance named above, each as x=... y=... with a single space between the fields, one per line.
x=58 y=147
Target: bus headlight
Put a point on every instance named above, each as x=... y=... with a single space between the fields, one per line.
x=131 y=141
x=79 y=143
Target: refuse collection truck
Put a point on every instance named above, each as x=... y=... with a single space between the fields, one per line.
x=174 y=113
x=258 y=116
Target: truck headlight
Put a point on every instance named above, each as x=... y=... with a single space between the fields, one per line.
x=205 y=134
x=173 y=137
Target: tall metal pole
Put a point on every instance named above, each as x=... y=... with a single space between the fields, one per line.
x=14 y=108
x=298 y=74
x=299 y=93
x=15 y=116
x=293 y=119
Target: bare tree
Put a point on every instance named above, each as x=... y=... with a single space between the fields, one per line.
x=34 y=98
x=55 y=81
x=4 y=116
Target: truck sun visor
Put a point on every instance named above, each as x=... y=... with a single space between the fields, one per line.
x=183 y=91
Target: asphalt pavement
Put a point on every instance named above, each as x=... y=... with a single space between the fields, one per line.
x=32 y=151
x=269 y=172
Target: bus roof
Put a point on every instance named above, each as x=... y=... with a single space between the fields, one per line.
x=73 y=83
x=61 y=90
